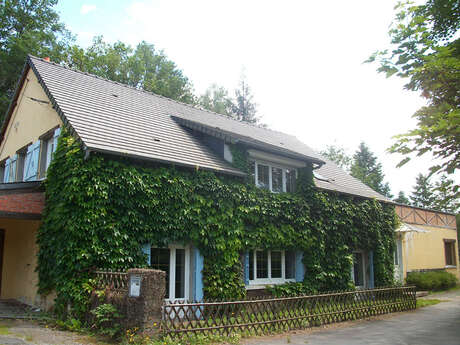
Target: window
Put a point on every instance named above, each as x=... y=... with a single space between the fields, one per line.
x=449 y=249
x=271 y=266
x=47 y=148
x=273 y=177
x=175 y=261
x=10 y=169
x=358 y=269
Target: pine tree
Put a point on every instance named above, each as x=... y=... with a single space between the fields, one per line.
x=402 y=198
x=422 y=195
x=366 y=168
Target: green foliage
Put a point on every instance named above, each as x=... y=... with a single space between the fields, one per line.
x=432 y=281
x=422 y=194
x=100 y=210
x=216 y=99
x=144 y=67
x=426 y=50
x=106 y=320
x=290 y=289
x=72 y=325
x=241 y=107
x=27 y=27
x=338 y=156
x=366 y=168
x=402 y=198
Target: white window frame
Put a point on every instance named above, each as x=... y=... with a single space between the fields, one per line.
x=270 y=166
x=172 y=273
x=269 y=280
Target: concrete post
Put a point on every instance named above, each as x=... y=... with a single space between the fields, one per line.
x=146 y=293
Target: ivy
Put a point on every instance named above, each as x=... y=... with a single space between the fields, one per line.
x=100 y=210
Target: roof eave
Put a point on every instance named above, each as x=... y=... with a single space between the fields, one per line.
x=233 y=172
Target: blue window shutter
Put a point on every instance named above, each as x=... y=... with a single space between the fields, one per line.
x=371 y=270
x=31 y=162
x=198 y=293
x=6 y=175
x=246 y=268
x=14 y=165
x=299 y=268
x=57 y=132
x=146 y=250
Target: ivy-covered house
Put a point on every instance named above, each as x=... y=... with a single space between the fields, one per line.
x=97 y=174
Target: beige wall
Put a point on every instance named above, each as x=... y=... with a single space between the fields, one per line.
x=30 y=118
x=19 y=279
x=425 y=250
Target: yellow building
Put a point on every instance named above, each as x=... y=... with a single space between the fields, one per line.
x=28 y=138
x=426 y=240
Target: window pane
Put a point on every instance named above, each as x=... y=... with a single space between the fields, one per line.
x=358 y=269
x=252 y=172
x=290 y=180
x=262 y=264
x=449 y=248
x=290 y=264
x=159 y=260
x=277 y=180
x=180 y=274
x=262 y=176
x=276 y=264
x=251 y=265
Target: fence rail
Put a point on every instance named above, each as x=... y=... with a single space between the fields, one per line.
x=271 y=315
x=115 y=281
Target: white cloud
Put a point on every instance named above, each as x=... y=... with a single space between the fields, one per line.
x=85 y=9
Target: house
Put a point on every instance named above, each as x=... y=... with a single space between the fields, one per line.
x=114 y=121
x=426 y=240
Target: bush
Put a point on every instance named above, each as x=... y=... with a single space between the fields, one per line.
x=434 y=280
x=106 y=320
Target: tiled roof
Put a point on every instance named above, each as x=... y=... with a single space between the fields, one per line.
x=118 y=119
x=114 y=118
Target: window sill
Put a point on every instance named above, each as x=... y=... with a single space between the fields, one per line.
x=263 y=285
x=450 y=266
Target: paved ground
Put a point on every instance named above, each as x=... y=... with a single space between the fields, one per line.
x=434 y=325
x=13 y=309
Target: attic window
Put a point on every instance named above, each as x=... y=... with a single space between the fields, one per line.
x=274 y=177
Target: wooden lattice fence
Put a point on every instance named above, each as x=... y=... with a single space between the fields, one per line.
x=263 y=316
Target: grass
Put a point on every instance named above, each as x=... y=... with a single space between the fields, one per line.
x=4 y=330
x=426 y=302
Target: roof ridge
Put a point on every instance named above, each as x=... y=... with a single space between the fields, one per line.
x=154 y=94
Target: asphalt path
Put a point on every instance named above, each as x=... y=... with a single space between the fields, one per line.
x=433 y=325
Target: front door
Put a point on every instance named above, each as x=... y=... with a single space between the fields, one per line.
x=175 y=261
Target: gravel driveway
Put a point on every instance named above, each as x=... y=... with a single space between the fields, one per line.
x=24 y=332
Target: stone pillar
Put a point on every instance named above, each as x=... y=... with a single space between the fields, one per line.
x=144 y=302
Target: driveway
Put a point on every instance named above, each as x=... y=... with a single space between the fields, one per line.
x=434 y=325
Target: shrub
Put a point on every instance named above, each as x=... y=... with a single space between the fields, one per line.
x=434 y=280
x=106 y=320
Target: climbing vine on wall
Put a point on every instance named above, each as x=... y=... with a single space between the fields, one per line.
x=100 y=210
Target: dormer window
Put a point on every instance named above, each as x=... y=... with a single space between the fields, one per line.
x=274 y=177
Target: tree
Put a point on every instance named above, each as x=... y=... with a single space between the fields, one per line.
x=443 y=197
x=422 y=194
x=244 y=108
x=426 y=50
x=216 y=99
x=338 y=156
x=366 y=168
x=402 y=198
x=143 y=67
x=27 y=27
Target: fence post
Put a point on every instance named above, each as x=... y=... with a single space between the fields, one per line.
x=146 y=293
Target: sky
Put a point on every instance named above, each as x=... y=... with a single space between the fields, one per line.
x=303 y=61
